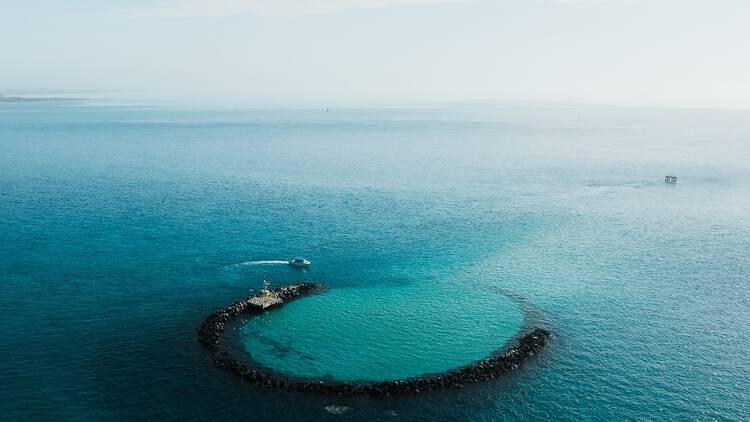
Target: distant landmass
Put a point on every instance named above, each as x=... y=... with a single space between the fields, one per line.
x=12 y=99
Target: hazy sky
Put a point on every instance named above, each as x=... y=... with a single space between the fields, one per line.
x=653 y=52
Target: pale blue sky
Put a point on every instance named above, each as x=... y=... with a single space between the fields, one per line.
x=650 y=52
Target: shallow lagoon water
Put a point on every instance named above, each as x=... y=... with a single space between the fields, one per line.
x=122 y=227
x=382 y=332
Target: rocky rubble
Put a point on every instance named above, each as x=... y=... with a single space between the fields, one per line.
x=211 y=331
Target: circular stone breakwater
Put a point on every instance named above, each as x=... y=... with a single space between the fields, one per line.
x=211 y=332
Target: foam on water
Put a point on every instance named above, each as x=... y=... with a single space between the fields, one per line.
x=337 y=410
x=263 y=262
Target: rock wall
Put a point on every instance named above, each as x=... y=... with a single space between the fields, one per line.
x=211 y=331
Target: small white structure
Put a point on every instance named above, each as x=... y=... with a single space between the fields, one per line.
x=670 y=179
x=266 y=297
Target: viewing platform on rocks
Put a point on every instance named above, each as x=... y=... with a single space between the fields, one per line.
x=266 y=299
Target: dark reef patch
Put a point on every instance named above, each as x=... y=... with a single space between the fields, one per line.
x=211 y=332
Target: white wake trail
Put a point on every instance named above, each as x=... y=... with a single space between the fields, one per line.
x=264 y=262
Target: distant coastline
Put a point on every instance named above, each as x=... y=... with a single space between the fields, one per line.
x=15 y=99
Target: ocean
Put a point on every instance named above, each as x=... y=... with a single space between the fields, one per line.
x=440 y=232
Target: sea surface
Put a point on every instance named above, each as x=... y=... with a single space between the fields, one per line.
x=441 y=233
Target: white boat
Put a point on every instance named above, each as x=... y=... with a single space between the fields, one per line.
x=299 y=262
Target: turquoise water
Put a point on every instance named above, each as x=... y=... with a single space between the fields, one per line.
x=122 y=226
x=383 y=332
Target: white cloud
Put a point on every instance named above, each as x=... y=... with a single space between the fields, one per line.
x=266 y=8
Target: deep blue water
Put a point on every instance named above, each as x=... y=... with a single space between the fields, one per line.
x=121 y=227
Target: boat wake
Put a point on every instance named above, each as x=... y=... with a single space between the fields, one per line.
x=263 y=262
